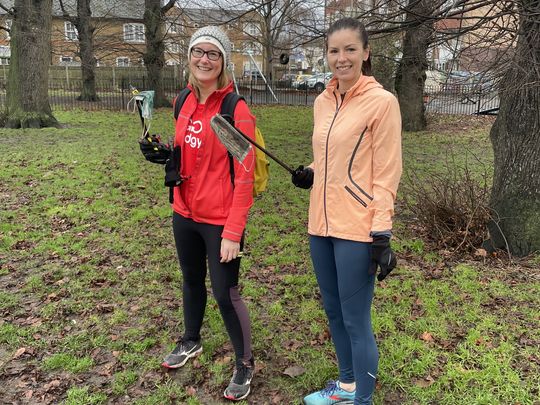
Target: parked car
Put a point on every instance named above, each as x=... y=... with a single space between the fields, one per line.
x=434 y=81
x=300 y=82
x=286 y=80
x=319 y=81
x=254 y=75
x=465 y=82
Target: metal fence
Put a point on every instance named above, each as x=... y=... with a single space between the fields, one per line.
x=115 y=95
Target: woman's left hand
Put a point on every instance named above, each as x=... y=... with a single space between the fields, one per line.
x=229 y=250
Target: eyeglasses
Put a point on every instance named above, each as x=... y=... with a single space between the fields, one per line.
x=199 y=53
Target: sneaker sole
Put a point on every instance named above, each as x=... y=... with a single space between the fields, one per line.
x=231 y=398
x=189 y=356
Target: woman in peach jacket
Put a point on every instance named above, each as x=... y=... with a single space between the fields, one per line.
x=354 y=178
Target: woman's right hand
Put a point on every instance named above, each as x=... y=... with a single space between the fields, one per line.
x=302 y=177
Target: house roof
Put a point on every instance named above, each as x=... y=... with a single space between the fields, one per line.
x=134 y=9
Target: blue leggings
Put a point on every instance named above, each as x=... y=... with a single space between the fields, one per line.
x=341 y=267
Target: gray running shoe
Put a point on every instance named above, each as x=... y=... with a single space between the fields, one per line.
x=183 y=351
x=239 y=387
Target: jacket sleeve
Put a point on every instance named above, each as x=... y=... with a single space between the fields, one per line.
x=387 y=164
x=243 y=178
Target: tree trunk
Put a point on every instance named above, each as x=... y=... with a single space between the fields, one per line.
x=411 y=71
x=86 y=43
x=154 y=58
x=28 y=81
x=515 y=135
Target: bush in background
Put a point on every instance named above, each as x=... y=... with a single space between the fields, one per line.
x=450 y=206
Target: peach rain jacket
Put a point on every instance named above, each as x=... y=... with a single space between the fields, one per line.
x=356 y=161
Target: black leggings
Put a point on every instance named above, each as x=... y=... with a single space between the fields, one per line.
x=195 y=243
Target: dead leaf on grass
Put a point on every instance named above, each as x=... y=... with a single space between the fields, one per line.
x=427 y=337
x=224 y=360
x=424 y=382
x=19 y=352
x=191 y=391
x=277 y=399
x=52 y=385
x=294 y=371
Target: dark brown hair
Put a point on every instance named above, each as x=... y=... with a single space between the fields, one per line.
x=354 y=25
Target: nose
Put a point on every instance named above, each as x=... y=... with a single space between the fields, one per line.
x=341 y=54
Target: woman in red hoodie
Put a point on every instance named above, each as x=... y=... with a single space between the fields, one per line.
x=210 y=208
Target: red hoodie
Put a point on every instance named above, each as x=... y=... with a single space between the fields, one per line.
x=207 y=195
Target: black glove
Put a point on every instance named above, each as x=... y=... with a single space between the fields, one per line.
x=154 y=150
x=382 y=256
x=302 y=177
x=172 y=168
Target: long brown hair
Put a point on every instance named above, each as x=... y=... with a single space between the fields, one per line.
x=354 y=25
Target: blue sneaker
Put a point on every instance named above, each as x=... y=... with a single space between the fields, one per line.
x=332 y=394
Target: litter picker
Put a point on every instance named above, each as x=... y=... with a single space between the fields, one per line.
x=237 y=143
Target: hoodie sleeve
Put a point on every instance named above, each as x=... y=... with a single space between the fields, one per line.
x=387 y=165
x=243 y=178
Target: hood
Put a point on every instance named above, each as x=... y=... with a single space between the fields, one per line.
x=363 y=84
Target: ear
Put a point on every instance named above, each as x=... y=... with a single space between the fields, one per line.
x=367 y=52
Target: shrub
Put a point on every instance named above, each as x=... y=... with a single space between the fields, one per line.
x=450 y=207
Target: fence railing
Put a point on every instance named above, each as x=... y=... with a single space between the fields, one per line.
x=115 y=95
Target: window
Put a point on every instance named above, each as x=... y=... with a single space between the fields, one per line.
x=122 y=61
x=66 y=60
x=253 y=48
x=251 y=29
x=4 y=61
x=134 y=33
x=70 y=31
x=8 y=28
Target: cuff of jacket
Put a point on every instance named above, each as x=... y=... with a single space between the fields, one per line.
x=387 y=233
x=231 y=235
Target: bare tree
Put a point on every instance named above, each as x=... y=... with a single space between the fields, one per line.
x=410 y=75
x=28 y=81
x=515 y=136
x=85 y=30
x=154 y=59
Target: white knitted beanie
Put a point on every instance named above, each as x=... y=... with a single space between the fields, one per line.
x=215 y=36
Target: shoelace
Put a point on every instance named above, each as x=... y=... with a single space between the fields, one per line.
x=241 y=374
x=330 y=388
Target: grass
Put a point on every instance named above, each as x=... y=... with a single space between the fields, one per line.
x=90 y=286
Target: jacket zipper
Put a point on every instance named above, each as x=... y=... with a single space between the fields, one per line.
x=326 y=161
x=349 y=173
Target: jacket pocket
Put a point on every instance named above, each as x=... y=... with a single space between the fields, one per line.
x=356 y=196
x=357 y=189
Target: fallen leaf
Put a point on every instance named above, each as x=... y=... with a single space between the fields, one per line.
x=277 y=399
x=28 y=394
x=480 y=252
x=191 y=391
x=426 y=337
x=224 y=360
x=294 y=371
x=19 y=352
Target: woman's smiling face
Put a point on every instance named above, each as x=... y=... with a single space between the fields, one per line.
x=203 y=69
x=345 y=56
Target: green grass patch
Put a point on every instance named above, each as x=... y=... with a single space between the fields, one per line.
x=89 y=279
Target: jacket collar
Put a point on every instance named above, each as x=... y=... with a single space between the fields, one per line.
x=363 y=84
